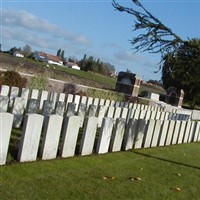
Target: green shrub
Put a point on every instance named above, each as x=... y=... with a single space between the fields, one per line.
x=39 y=82
x=12 y=78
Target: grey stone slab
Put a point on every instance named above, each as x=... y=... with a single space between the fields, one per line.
x=18 y=111
x=92 y=111
x=104 y=136
x=14 y=91
x=25 y=95
x=4 y=101
x=70 y=111
x=69 y=136
x=88 y=136
x=31 y=133
x=6 y=120
x=51 y=136
x=130 y=134
x=118 y=134
x=101 y=114
x=60 y=108
x=47 y=108
x=33 y=106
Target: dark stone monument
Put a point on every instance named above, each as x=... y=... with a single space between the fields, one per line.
x=128 y=83
x=174 y=97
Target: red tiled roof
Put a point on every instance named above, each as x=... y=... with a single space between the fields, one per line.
x=50 y=57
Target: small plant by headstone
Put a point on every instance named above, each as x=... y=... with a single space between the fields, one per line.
x=39 y=82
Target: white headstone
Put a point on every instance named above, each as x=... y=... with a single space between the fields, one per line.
x=197 y=131
x=187 y=131
x=70 y=135
x=118 y=134
x=117 y=113
x=44 y=96
x=130 y=134
x=110 y=112
x=164 y=130
x=51 y=136
x=6 y=120
x=77 y=101
x=170 y=132
x=124 y=113
x=156 y=133
x=88 y=136
x=176 y=132
x=53 y=98
x=149 y=133
x=102 y=102
x=5 y=90
x=25 y=95
x=89 y=101
x=61 y=97
x=182 y=131
x=34 y=94
x=104 y=136
x=84 y=100
x=96 y=102
x=107 y=103
x=30 y=139
x=140 y=132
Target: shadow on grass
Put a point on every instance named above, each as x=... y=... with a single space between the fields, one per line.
x=166 y=160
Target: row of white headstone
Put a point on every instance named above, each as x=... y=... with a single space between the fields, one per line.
x=59 y=135
x=68 y=109
x=41 y=96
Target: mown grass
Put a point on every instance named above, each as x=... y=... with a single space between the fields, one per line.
x=171 y=172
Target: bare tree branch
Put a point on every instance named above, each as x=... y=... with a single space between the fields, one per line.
x=157 y=38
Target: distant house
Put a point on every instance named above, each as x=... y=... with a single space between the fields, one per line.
x=72 y=65
x=18 y=54
x=48 y=58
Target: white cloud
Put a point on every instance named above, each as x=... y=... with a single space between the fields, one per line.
x=26 y=27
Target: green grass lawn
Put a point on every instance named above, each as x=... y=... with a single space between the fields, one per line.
x=171 y=172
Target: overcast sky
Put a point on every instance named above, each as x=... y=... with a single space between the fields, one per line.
x=93 y=28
